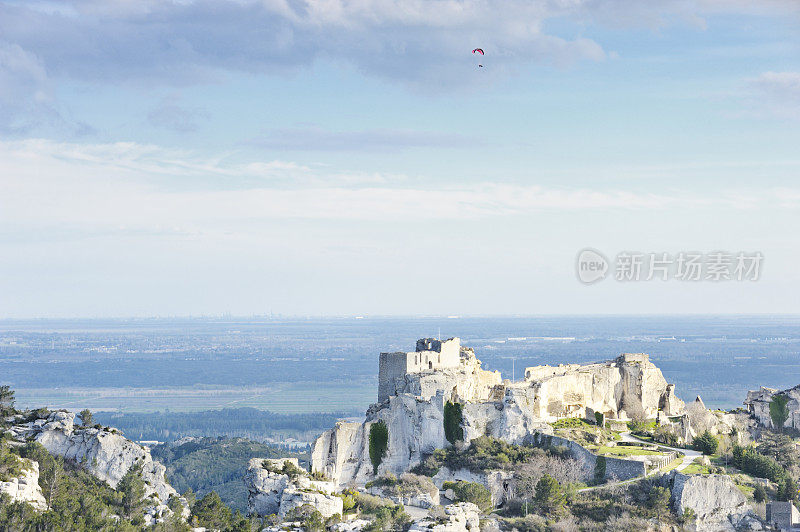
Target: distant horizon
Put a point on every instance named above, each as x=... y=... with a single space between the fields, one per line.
x=395 y=316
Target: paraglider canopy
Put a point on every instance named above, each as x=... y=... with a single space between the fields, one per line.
x=478 y=51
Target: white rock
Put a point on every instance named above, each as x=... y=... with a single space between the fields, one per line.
x=460 y=517
x=105 y=454
x=277 y=493
x=25 y=488
x=716 y=501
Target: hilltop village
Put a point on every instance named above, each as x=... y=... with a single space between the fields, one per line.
x=448 y=446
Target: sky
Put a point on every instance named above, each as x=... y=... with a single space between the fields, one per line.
x=329 y=157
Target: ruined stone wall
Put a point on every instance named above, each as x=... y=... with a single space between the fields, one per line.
x=392 y=369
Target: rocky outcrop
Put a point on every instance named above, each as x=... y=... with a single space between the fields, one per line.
x=271 y=491
x=414 y=398
x=106 y=454
x=716 y=501
x=758 y=401
x=25 y=488
x=459 y=517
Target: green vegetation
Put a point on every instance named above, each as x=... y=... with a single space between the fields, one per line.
x=658 y=500
x=779 y=410
x=478 y=494
x=78 y=501
x=408 y=484
x=759 y=493
x=216 y=464
x=571 y=423
x=453 y=430
x=86 y=417
x=600 y=469
x=752 y=462
x=550 y=496
x=10 y=464
x=787 y=489
x=627 y=450
x=706 y=443
x=131 y=490
x=387 y=515
x=697 y=468
x=6 y=401
x=310 y=518
x=599 y=418
x=378 y=444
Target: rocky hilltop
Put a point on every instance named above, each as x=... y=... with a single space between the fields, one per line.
x=106 y=454
x=414 y=388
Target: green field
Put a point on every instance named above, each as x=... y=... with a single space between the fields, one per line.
x=289 y=398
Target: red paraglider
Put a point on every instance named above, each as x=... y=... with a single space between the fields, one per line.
x=478 y=51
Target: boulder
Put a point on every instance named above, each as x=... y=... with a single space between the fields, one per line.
x=716 y=501
x=459 y=517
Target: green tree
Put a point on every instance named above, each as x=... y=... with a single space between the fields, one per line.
x=86 y=417
x=453 y=419
x=310 y=517
x=759 y=494
x=706 y=443
x=6 y=401
x=549 y=495
x=779 y=410
x=477 y=494
x=378 y=444
x=658 y=499
x=787 y=489
x=211 y=512
x=131 y=488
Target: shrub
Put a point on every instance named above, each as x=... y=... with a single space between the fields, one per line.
x=550 y=495
x=599 y=419
x=600 y=469
x=706 y=443
x=750 y=461
x=453 y=419
x=378 y=444
x=478 y=494
x=759 y=494
x=658 y=499
x=787 y=489
x=310 y=518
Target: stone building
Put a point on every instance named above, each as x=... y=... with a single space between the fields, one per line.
x=783 y=516
x=430 y=355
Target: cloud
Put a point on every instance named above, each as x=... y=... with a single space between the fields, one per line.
x=777 y=93
x=176 y=43
x=416 y=41
x=318 y=139
x=51 y=188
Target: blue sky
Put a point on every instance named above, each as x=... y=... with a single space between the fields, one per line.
x=330 y=157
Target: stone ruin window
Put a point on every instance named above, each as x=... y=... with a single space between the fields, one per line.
x=440 y=359
x=430 y=364
x=416 y=359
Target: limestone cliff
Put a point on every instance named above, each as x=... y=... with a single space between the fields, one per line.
x=106 y=454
